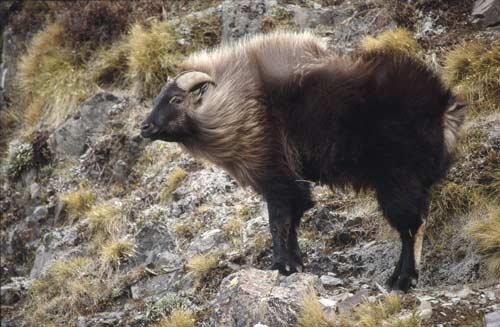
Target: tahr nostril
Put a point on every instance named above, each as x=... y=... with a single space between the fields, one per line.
x=145 y=127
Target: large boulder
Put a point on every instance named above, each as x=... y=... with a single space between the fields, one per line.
x=85 y=126
x=211 y=241
x=58 y=244
x=249 y=297
x=153 y=241
x=243 y=17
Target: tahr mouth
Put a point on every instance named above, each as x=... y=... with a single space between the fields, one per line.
x=149 y=130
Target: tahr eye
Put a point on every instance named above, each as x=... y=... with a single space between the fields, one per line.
x=175 y=100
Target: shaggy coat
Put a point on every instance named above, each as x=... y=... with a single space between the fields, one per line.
x=281 y=110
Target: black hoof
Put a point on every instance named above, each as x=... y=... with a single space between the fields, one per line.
x=402 y=282
x=287 y=268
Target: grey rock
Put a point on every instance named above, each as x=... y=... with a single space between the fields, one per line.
x=350 y=302
x=155 y=286
x=374 y=260
x=60 y=243
x=87 y=125
x=349 y=23
x=167 y=260
x=176 y=281
x=491 y=295
x=12 y=292
x=59 y=212
x=243 y=17
x=425 y=310
x=311 y=17
x=486 y=12
x=329 y=306
x=151 y=240
x=327 y=280
x=254 y=296
x=35 y=191
x=102 y=319
x=253 y=227
x=10 y=50
x=492 y=319
x=459 y=293
x=39 y=214
x=211 y=241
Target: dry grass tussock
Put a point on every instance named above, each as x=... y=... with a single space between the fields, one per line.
x=79 y=201
x=485 y=232
x=110 y=64
x=67 y=288
x=393 y=41
x=178 y=318
x=49 y=82
x=150 y=52
x=153 y=56
x=202 y=264
x=113 y=252
x=106 y=220
x=383 y=313
x=467 y=188
x=233 y=226
x=73 y=287
x=174 y=180
x=472 y=69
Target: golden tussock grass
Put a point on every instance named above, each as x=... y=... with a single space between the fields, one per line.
x=110 y=65
x=106 y=220
x=202 y=264
x=67 y=287
x=486 y=234
x=50 y=81
x=233 y=226
x=451 y=202
x=472 y=70
x=79 y=201
x=491 y=179
x=261 y=242
x=243 y=211
x=393 y=41
x=113 y=252
x=183 y=230
x=384 y=313
x=450 y=198
x=374 y=314
x=311 y=314
x=174 y=180
x=153 y=56
x=467 y=189
x=178 y=318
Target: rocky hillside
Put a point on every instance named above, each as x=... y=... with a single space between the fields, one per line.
x=100 y=227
